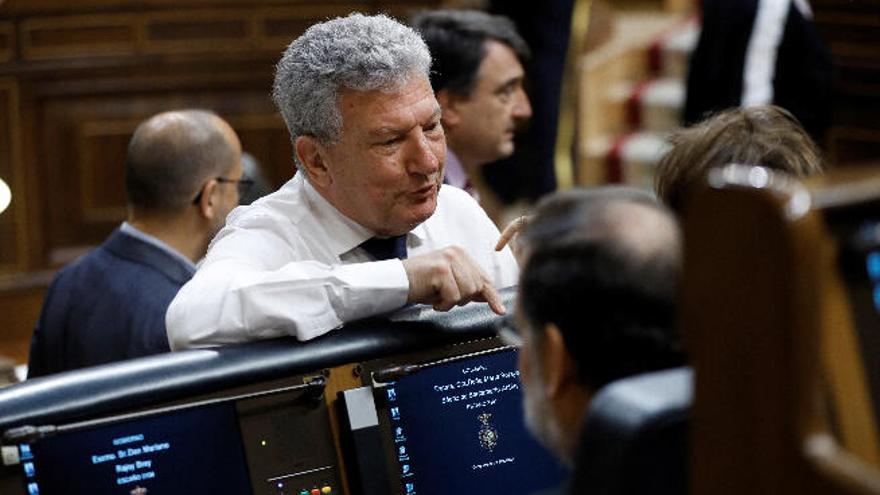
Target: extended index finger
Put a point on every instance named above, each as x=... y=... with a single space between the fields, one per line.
x=512 y=229
x=491 y=296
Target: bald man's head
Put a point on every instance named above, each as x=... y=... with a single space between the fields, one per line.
x=596 y=303
x=172 y=154
x=602 y=265
x=636 y=225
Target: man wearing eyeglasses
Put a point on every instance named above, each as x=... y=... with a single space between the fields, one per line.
x=183 y=176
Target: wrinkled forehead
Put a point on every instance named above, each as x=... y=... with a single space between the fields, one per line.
x=381 y=89
x=405 y=105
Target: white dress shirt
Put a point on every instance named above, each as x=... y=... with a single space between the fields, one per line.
x=290 y=264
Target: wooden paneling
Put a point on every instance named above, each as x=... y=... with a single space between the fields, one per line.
x=849 y=28
x=193 y=31
x=81 y=115
x=85 y=165
x=12 y=244
x=102 y=147
x=72 y=212
x=178 y=31
x=274 y=25
x=7 y=41
x=78 y=36
x=854 y=145
x=20 y=301
x=54 y=7
x=852 y=32
x=76 y=77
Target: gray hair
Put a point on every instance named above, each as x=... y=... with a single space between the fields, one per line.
x=358 y=52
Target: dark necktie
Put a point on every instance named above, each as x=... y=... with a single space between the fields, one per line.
x=387 y=248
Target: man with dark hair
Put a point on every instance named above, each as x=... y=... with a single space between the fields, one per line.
x=364 y=227
x=478 y=78
x=183 y=172
x=595 y=303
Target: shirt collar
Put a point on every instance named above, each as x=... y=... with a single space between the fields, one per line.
x=455 y=174
x=346 y=233
x=133 y=231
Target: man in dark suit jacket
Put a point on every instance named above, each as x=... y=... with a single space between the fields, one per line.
x=477 y=74
x=183 y=172
x=755 y=52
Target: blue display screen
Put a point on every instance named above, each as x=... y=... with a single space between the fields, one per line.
x=196 y=450
x=458 y=428
x=860 y=270
x=873 y=266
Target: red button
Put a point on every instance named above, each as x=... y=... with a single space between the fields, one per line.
x=315 y=491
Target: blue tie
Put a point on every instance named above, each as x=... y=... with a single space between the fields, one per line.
x=387 y=248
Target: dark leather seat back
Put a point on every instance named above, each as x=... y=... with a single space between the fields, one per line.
x=634 y=439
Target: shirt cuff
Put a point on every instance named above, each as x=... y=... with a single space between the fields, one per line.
x=375 y=287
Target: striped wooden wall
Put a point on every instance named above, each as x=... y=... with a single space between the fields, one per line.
x=77 y=77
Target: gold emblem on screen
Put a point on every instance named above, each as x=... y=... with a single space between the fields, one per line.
x=488 y=435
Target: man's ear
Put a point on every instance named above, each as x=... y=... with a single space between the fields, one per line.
x=560 y=369
x=449 y=106
x=207 y=201
x=311 y=155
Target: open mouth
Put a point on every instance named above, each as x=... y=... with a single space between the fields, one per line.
x=425 y=192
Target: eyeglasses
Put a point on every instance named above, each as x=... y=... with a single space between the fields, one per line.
x=507 y=331
x=242 y=184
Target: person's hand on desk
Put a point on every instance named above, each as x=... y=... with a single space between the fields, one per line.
x=449 y=277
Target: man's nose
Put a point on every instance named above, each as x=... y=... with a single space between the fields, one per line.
x=422 y=155
x=522 y=108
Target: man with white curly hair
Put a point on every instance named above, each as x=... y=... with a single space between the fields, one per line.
x=364 y=227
